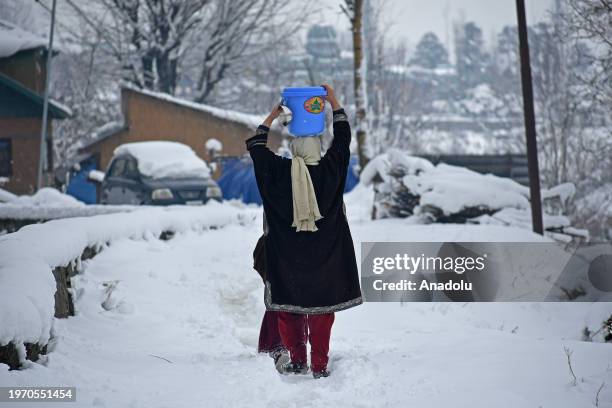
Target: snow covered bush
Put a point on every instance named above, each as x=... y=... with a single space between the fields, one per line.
x=607 y=325
x=408 y=186
x=594 y=211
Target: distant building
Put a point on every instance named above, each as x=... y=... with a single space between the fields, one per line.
x=23 y=57
x=156 y=116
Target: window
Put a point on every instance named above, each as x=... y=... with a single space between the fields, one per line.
x=125 y=168
x=6 y=158
x=118 y=168
x=131 y=169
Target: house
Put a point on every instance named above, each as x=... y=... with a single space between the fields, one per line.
x=23 y=58
x=151 y=115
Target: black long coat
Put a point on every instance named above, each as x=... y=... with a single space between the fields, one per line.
x=307 y=272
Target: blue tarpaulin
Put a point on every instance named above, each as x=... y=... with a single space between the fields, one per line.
x=238 y=179
x=79 y=187
x=352 y=178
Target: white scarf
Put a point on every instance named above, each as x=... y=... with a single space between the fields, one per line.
x=305 y=151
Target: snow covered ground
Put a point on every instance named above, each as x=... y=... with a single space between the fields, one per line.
x=175 y=324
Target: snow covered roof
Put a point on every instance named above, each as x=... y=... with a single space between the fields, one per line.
x=163 y=159
x=14 y=39
x=246 y=119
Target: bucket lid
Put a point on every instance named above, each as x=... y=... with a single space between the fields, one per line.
x=304 y=91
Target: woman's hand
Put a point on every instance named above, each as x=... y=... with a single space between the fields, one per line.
x=331 y=96
x=277 y=110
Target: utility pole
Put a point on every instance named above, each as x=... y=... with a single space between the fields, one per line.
x=43 y=131
x=530 y=123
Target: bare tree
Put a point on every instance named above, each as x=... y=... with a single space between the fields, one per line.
x=244 y=43
x=147 y=37
x=159 y=43
x=571 y=108
x=170 y=46
x=234 y=27
x=19 y=13
x=591 y=20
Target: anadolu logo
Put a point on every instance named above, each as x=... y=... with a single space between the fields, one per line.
x=314 y=104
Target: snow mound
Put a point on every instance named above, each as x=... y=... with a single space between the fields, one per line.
x=359 y=202
x=28 y=257
x=452 y=189
x=449 y=189
x=6 y=196
x=412 y=187
x=383 y=164
x=162 y=159
x=47 y=197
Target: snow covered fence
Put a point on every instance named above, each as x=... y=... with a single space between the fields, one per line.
x=47 y=204
x=30 y=297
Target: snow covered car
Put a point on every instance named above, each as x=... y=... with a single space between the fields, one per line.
x=157 y=173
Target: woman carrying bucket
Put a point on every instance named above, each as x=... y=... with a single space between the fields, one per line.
x=311 y=270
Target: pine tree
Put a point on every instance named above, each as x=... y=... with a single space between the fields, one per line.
x=430 y=52
x=472 y=60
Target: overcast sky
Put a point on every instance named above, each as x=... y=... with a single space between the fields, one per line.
x=409 y=19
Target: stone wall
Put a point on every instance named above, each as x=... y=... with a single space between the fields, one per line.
x=64 y=307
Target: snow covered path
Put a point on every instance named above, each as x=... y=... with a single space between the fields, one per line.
x=180 y=324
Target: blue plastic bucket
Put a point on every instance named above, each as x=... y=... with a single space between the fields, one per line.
x=306 y=106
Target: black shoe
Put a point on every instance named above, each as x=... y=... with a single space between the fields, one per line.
x=281 y=358
x=319 y=374
x=294 y=368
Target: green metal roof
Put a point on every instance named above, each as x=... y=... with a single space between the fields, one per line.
x=56 y=110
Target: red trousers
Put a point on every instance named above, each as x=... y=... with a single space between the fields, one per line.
x=295 y=328
x=269 y=337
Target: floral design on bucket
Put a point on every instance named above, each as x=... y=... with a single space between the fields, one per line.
x=314 y=104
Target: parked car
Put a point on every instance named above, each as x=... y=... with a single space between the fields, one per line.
x=156 y=173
